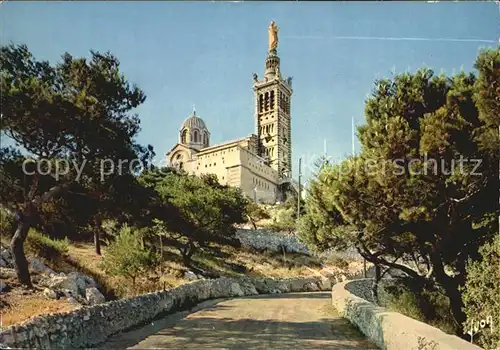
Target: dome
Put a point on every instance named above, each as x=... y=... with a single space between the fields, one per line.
x=194 y=132
x=194 y=122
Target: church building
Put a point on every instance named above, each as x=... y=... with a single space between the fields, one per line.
x=261 y=163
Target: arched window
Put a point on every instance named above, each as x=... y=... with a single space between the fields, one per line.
x=195 y=136
x=205 y=138
x=184 y=136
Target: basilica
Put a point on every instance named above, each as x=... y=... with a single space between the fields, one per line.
x=260 y=163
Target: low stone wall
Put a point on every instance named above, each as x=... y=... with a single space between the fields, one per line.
x=266 y=240
x=392 y=330
x=92 y=325
x=363 y=288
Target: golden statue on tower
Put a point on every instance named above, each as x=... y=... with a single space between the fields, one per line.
x=273 y=37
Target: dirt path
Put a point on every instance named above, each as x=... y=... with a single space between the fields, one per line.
x=291 y=321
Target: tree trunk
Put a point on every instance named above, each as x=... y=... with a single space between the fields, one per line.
x=97 y=235
x=451 y=288
x=17 y=246
x=375 y=284
x=187 y=253
x=97 y=242
x=253 y=222
x=456 y=303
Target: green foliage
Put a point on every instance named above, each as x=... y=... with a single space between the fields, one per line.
x=196 y=211
x=44 y=246
x=424 y=304
x=389 y=202
x=285 y=221
x=7 y=223
x=110 y=227
x=256 y=211
x=481 y=294
x=127 y=257
x=75 y=114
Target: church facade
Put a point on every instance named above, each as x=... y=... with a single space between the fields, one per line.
x=261 y=163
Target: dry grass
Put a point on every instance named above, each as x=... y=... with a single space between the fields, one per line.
x=20 y=307
x=218 y=260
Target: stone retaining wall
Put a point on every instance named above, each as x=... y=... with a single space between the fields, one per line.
x=363 y=288
x=273 y=241
x=392 y=330
x=92 y=325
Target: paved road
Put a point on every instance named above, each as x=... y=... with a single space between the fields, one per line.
x=284 y=321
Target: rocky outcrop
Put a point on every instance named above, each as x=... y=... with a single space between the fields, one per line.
x=391 y=330
x=37 y=266
x=276 y=242
x=94 y=296
x=92 y=325
x=73 y=286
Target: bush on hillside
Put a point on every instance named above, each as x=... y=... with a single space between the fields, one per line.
x=127 y=257
x=43 y=246
x=429 y=305
x=481 y=295
x=284 y=222
x=7 y=223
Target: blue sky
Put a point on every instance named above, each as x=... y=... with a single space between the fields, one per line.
x=189 y=53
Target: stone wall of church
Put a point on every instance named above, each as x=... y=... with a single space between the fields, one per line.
x=235 y=165
x=218 y=162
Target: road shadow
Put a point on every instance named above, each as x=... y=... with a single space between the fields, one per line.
x=188 y=330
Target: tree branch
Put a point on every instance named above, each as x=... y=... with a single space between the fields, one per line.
x=50 y=194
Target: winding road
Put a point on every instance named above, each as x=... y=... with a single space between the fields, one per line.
x=283 y=321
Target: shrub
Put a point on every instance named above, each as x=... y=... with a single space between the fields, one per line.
x=256 y=212
x=7 y=223
x=127 y=257
x=426 y=304
x=284 y=222
x=44 y=246
x=110 y=227
x=481 y=295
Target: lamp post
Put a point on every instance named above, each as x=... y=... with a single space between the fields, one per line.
x=299 y=192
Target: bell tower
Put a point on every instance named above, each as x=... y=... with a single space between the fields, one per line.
x=272 y=111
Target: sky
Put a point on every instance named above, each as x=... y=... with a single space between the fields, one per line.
x=204 y=54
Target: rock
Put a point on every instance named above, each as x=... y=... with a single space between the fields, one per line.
x=236 y=290
x=73 y=301
x=8 y=272
x=94 y=296
x=68 y=293
x=3 y=286
x=38 y=266
x=49 y=293
x=6 y=255
x=311 y=287
x=3 y=263
x=82 y=281
x=325 y=284
x=261 y=240
x=190 y=275
x=63 y=283
x=248 y=288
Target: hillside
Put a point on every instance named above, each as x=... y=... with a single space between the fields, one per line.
x=50 y=259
